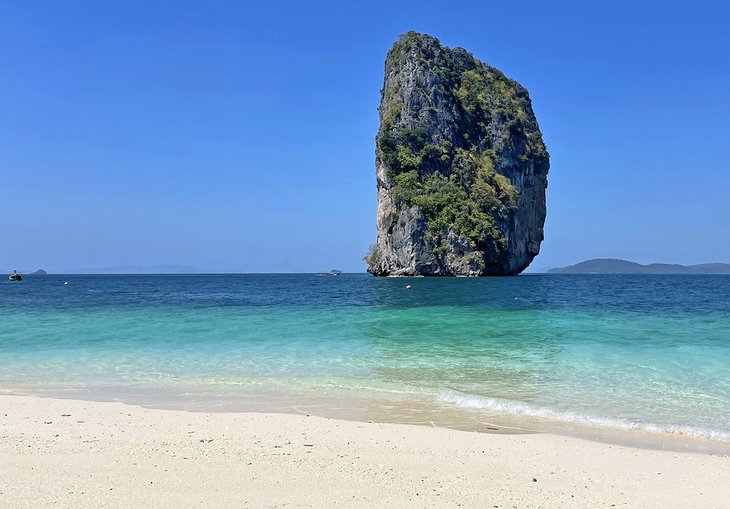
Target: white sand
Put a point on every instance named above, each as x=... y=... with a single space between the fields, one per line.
x=65 y=453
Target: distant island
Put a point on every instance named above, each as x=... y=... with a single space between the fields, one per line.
x=39 y=272
x=616 y=266
x=139 y=269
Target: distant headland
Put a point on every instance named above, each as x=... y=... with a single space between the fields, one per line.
x=616 y=266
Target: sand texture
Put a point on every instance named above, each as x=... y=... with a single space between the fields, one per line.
x=66 y=453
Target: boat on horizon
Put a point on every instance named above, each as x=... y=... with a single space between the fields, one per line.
x=15 y=276
x=334 y=272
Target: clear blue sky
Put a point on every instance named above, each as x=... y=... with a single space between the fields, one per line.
x=236 y=136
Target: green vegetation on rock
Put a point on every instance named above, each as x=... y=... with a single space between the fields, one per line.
x=469 y=200
x=455 y=133
x=459 y=189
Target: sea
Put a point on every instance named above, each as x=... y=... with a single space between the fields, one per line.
x=642 y=358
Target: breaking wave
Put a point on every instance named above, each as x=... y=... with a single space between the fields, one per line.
x=463 y=400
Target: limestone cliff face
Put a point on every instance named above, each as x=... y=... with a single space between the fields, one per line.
x=461 y=166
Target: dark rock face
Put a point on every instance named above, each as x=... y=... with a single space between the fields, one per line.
x=461 y=167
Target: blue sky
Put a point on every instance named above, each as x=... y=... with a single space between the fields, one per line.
x=240 y=136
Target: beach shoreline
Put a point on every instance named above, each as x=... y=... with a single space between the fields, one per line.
x=560 y=355
x=75 y=453
x=357 y=407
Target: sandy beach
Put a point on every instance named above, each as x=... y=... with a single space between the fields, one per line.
x=68 y=453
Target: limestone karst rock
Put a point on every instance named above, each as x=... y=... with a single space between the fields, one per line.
x=461 y=166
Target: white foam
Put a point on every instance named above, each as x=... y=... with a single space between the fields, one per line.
x=518 y=408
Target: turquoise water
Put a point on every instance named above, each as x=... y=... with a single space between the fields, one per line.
x=630 y=352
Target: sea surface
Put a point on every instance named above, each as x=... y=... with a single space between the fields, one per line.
x=638 y=353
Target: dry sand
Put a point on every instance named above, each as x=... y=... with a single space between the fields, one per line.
x=66 y=453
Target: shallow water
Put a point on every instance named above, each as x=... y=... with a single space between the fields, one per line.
x=623 y=352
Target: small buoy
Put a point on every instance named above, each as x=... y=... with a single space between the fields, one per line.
x=408 y=287
x=65 y=282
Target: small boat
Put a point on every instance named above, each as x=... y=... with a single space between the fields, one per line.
x=334 y=272
x=15 y=276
